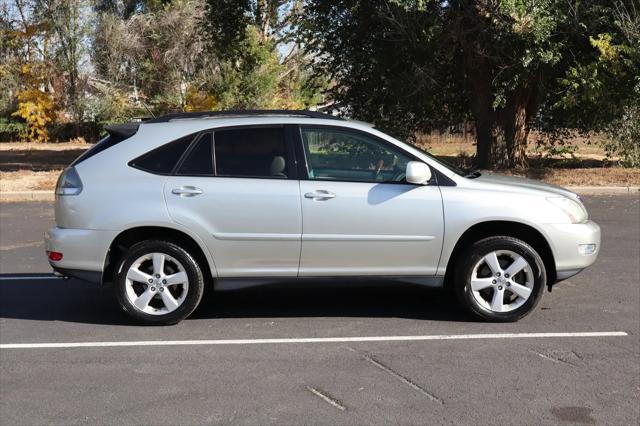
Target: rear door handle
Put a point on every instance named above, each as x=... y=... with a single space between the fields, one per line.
x=187 y=191
x=320 y=194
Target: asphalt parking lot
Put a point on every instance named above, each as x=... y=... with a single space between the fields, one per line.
x=230 y=374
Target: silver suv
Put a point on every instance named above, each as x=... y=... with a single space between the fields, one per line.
x=165 y=207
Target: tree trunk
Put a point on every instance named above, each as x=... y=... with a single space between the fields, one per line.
x=519 y=138
x=512 y=132
x=263 y=19
x=502 y=135
x=484 y=121
x=484 y=139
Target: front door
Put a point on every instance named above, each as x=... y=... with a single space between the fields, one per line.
x=237 y=189
x=360 y=217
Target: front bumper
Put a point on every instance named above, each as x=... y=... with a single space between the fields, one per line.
x=83 y=251
x=568 y=243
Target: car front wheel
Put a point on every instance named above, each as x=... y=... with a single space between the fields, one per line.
x=500 y=279
x=159 y=283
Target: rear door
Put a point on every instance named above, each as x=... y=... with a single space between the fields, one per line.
x=238 y=189
x=360 y=216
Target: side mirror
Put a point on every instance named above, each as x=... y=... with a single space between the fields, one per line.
x=418 y=172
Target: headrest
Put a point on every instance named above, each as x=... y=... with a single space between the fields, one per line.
x=278 y=164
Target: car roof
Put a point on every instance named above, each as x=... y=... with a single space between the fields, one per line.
x=155 y=132
x=242 y=113
x=198 y=121
x=196 y=124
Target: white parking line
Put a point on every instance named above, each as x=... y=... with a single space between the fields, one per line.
x=30 y=277
x=309 y=340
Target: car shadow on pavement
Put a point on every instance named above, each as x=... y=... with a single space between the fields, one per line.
x=32 y=298
x=333 y=298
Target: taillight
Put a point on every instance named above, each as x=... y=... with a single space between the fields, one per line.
x=69 y=182
x=54 y=256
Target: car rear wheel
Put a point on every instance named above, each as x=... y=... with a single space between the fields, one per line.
x=501 y=279
x=159 y=283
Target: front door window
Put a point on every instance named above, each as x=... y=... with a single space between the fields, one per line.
x=334 y=154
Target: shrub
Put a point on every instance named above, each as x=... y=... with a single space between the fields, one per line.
x=557 y=144
x=624 y=135
x=63 y=132
x=36 y=108
x=10 y=130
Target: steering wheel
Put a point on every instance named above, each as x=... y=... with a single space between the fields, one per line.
x=399 y=175
x=379 y=167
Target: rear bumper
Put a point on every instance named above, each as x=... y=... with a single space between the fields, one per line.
x=93 y=277
x=569 y=242
x=83 y=251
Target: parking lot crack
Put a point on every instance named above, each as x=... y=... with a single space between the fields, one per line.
x=560 y=357
x=327 y=398
x=402 y=378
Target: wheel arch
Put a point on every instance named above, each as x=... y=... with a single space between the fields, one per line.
x=127 y=238
x=524 y=232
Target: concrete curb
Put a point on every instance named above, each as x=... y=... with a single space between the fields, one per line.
x=13 y=196
x=604 y=190
x=8 y=197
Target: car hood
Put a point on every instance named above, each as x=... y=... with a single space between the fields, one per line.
x=497 y=181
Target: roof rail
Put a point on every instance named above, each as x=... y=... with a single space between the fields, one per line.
x=244 y=113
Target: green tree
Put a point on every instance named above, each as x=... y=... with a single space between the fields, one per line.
x=11 y=43
x=414 y=64
x=25 y=73
x=154 y=57
x=249 y=79
x=261 y=65
x=603 y=94
x=67 y=25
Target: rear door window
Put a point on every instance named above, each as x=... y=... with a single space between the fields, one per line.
x=253 y=152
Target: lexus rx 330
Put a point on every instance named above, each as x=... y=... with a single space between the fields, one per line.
x=165 y=207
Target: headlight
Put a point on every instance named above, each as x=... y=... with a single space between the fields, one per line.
x=573 y=209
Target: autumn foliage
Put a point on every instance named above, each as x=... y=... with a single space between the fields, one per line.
x=35 y=105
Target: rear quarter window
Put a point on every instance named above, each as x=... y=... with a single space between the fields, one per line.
x=163 y=160
x=117 y=133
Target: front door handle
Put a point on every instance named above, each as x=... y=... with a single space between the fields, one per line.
x=187 y=191
x=320 y=194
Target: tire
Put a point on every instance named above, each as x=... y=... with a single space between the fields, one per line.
x=485 y=287
x=168 y=298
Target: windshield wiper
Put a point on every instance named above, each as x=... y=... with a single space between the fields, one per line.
x=472 y=173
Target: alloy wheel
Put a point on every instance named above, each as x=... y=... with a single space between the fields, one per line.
x=502 y=281
x=156 y=284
